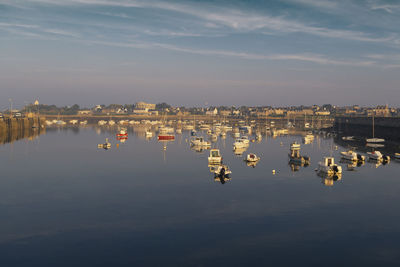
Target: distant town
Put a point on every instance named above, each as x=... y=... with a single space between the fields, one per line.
x=150 y=109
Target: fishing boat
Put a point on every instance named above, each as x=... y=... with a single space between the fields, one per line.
x=179 y=131
x=329 y=167
x=215 y=156
x=351 y=155
x=295 y=157
x=199 y=141
x=252 y=158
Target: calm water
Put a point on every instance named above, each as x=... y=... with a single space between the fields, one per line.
x=64 y=202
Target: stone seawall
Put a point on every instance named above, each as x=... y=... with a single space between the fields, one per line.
x=388 y=128
x=12 y=129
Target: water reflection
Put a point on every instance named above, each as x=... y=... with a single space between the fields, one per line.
x=10 y=136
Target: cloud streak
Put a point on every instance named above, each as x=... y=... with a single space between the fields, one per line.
x=239 y=20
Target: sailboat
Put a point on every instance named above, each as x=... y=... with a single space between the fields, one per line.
x=373 y=139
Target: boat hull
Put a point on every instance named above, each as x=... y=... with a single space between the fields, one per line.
x=166 y=137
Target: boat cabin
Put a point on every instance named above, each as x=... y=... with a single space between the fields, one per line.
x=329 y=161
x=214 y=153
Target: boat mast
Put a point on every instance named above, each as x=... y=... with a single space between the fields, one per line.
x=373 y=125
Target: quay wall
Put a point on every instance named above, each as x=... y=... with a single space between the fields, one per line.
x=385 y=127
x=12 y=129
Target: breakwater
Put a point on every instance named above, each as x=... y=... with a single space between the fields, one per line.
x=12 y=129
x=388 y=128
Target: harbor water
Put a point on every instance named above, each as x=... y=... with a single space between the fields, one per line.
x=66 y=202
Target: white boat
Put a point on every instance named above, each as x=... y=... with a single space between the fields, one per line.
x=223 y=134
x=149 y=133
x=179 y=131
x=348 y=138
x=258 y=136
x=397 y=155
x=245 y=139
x=240 y=143
x=329 y=167
x=83 y=122
x=222 y=171
x=373 y=139
x=199 y=141
x=73 y=122
x=351 y=155
x=308 y=139
x=111 y=122
x=378 y=156
x=102 y=122
x=252 y=157
x=106 y=145
x=215 y=156
x=294 y=146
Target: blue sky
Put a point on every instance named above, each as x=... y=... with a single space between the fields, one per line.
x=287 y=52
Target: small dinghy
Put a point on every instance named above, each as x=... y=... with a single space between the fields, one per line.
x=199 y=141
x=252 y=158
x=106 y=145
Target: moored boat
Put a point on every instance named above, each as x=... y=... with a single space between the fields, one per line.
x=252 y=157
x=329 y=167
x=351 y=155
x=215 y=156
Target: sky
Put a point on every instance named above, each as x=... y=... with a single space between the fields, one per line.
x=199 y=53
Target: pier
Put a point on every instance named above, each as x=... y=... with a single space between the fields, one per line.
x=12 y=129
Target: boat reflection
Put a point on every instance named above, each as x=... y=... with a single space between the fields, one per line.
x=329 y=180
x=239 y=151
x=351 y=165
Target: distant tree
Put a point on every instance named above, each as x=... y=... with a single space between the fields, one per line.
x=161 y=106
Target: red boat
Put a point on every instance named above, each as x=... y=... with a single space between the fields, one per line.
x=122 y=133
x=166 y=137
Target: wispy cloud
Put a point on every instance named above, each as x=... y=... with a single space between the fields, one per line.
x=387 y=8
x=315 y=3
x=239 y=20
x=312 y=58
